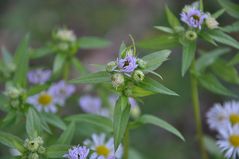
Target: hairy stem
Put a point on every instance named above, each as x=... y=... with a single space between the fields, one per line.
x=201 y=5
x=197 y=114
x=126 y=144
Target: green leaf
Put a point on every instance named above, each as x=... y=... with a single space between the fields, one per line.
x=209 y=58
x=79 y=67
x=204 y=35
x=37 y=89
x=93 y=43
x=234 y=27
x=226 y=72
x=21 y=59
x=223 y=38
x=11 y=141
x=231 y=8
x=58 y=63
x=234 y=60
x=120 y=119
x=150 y=119
x=56 y=151
x=33 y=123
x=9 y=119
x=6 y=55
x=164 y=29
x=159 y=42
x=155 y=87
x=211 y=146
x=211 y=83
x=68 y=134
x=172 y=19
x=122 y=48
x=154 y=60
x=93 y=78
x=140 y=92
x=189 y=49
x=41 y=52
x=54 y=120
x=96 y=120
x=218 y=13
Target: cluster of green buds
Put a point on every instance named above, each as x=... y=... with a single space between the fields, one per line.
x=34 y=148
x=16 y=97
x=65 y=40
x=126 y=69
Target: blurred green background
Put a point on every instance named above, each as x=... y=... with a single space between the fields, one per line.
x=115 y=20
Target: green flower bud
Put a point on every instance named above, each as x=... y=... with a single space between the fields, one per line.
x=212 y=23
x=41 y=150
x=32 y=145
x=33 y=156
x=191 y=35
x=117 y=80
x=13 y=92
x=138 y=75
x=141 y=63
x=15 y=103
x=63 y=46
x=135 y=112
x=111 y=66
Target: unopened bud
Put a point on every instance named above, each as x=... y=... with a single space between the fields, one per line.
x=117 y=80
x=212 y=23
x=13 y=92
x=191 y=35
x=141 y=63
x=138 y=75
x=32 y=145
x=111 y=66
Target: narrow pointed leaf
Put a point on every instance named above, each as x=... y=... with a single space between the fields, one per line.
x=11 y=141
x=231 y=8
x=56 y=151
x=67 y=135
x=58 y=63
x=234 y=27
x=33 y=123
x=164 y=29
x=54 y=120
x=172 y=19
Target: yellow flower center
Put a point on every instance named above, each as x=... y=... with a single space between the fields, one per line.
x=234 y=119
x=234 y=140
x=102 y=150
x=44 y=99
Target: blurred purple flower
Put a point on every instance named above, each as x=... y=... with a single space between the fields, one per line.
x=193 y=17
x=77 y=152
x=38 y=76
x=62 y=91
x=128 y=64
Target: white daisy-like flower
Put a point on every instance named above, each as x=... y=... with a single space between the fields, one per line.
x=103 y=149
x=44 y=101
x=219 y=116
x=229 y=141
x=216 y=117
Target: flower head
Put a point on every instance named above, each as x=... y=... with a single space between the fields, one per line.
x=62 y=91
x=66 y=35
x=193 y=17
x=38 y=76
x=127 y=64
x=77 y=152
x=103 y=149
x=211 y=22
x=229 y=141
x=44 y=101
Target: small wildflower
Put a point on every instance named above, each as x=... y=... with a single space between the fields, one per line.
x=138 y=75
x=65 y=35
x=191 y=35
x=211 y=22
x=38 y=76
x=103 y=149
x=127 y=64
x=111 y=66
x=228 y=141
x=117 y=80
x=77 y=152
x=193 y=17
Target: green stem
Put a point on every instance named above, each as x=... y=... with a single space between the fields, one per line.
x=66 y=71
x=197 y=114
x=201 y=5
x=126 y=144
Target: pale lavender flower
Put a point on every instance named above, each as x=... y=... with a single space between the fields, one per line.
x=193 y=17
x=62 y=91
x=38 y=76
x=77 y=152
x=127 y=64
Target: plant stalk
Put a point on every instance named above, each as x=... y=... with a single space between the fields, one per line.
x=197 y=114
x=126 y=144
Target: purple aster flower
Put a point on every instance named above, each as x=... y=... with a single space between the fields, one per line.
x=38 y=76
x=193 y=17
x=62 y=91
x=77 y=152
x=127 y=64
